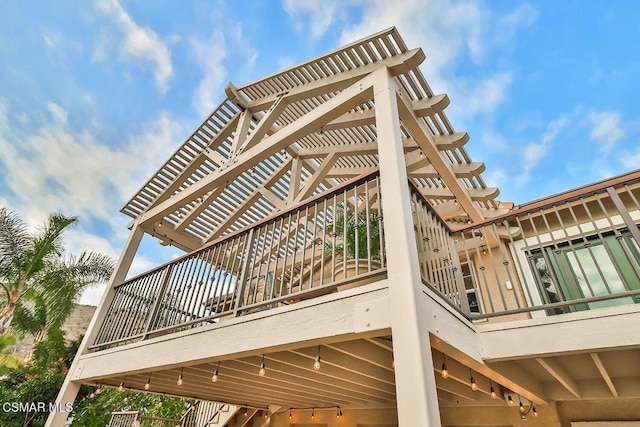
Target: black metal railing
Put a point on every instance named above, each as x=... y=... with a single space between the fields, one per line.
x=569 y=253
x=333 y=242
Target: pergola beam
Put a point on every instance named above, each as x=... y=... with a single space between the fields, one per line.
x=336 y=106
x=313 y=181
x=422 y=107
x=427 y=144
x=604 y=373
x=248 y=201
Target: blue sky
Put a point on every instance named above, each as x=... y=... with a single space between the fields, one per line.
x=95 y=95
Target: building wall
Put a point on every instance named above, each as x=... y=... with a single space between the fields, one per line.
x=327 y=418
x=500 y=416
x=74 y=327
x=599 y=410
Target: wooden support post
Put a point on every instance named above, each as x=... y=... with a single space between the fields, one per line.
x=415 y=382
x=69 y=389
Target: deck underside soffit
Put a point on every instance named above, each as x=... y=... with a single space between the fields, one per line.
x=275 y=142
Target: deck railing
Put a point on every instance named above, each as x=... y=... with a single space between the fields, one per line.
x=439 y=262
x=330 y=243
x=137 y=419
x=576 y=251
x=203 y=414
x=573 y=252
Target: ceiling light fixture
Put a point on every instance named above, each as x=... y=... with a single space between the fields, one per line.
x=445 y=371
x=215 y=376
x=263 y=369
x=180 y=378
x=147 y=385
x=472 y=381
x=316 y=363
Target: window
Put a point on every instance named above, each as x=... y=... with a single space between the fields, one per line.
x=584 y=268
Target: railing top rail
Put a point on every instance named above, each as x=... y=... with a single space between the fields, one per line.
x=564 y=197
x=325 y=194
x=166 y=420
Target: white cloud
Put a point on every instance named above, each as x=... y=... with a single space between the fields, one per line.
x=495 y=178
x=49 y=167
x=631 y=160
x=136 y=43
x=209 y=55
x=506 y=26
x=55 y=168
x=317 y=16
x=484 y=96
x=447 y=30
x=606 y=129
x=48 y=40
x=533 y=153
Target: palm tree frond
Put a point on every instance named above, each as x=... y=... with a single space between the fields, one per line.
x=41 y=283
x=48 y=242
x=14 y=240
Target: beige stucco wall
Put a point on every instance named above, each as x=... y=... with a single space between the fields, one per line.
x=327 y=418
x=498 y=416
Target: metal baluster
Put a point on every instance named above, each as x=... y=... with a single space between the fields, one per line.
x=367 y=215
x=529 y=254
x=324 y=242
x=154 y=310
x=248 y=259
x=573 y=249
x=223 y=281
x=215 y=294
x=621 y=209
x=285 y=255
x=506 y=224
x=380 y=223
x=312 y=263
x=293 y=256
x=344 y=233
x=488 y=251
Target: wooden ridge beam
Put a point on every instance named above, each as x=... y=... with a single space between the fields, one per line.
x=397 y=64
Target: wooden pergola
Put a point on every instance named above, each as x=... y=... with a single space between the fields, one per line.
x=284 y=138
